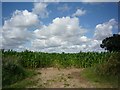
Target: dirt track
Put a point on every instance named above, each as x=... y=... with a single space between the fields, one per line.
x=60 y=78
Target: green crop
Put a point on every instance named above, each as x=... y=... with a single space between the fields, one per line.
x=31 y=59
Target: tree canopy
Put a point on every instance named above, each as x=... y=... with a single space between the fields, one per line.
x=111 y=43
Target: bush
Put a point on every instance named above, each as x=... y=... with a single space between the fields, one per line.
x=11 y=71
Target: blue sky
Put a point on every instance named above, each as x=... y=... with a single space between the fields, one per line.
x=95 y=14
x=99 y=12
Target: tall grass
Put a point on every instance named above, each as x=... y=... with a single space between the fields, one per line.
x=12 y=71
x=111 y=67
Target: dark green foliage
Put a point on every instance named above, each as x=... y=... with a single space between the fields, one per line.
x=112 y=66
x=11 y=71
x=111 y=43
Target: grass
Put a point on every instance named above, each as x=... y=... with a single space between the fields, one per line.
x=25 y=82
x=100 y=81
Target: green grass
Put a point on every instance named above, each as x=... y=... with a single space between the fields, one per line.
x=100 y=81
x=25 y=82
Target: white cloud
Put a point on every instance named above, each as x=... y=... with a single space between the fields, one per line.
x=40 y=9
x=0 y=37
x=65 y=27
x=15 y=31
x=94 y=45
x=62 y=32
x=64 y=8
x=62 y=35
x=14 y=37
x=104 y=30
x=119 y=33
x=84 y=39
x=21 y=19
x=79 y=12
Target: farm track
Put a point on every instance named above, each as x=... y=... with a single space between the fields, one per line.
x=60 y=78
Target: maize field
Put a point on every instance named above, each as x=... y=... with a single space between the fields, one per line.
x=15 y=64
x=29 y=59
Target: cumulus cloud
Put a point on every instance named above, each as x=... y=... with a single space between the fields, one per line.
x=79 y=12
x=65 y=27
x=40 y=9
x=62 y=35
x=105 y=29
x=15 y=31
x=14 y=37
x=61 y=32
x=0 y=37
x=94 y=45
x=21 y=19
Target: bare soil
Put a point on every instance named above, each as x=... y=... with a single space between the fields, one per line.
x=61 y=78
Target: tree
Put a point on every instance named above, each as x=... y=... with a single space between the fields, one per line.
x=111 y=43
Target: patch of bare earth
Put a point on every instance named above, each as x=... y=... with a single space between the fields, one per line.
x=60 y=78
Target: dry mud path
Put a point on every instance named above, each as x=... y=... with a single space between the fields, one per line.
x=60 y=78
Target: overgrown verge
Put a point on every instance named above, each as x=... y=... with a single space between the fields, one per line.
x=16 y=63
x=98 y=80
x=111 y=67
x=12 y=71
x=23 y=83
x=108 y=72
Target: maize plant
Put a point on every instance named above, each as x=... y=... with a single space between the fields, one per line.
x=31 y=59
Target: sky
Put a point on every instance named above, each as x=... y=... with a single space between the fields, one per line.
x=57 y=26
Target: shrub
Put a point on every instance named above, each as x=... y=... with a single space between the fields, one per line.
x=11 y=71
